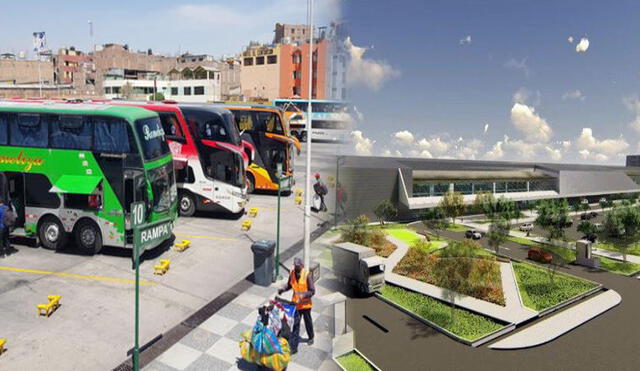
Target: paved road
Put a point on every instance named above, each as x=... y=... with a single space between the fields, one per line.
x=96 y=317
x=609 y=342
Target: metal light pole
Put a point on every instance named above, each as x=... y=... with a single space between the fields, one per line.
x=279 y=176
x=307 y=202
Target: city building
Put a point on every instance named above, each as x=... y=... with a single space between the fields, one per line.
x=291 y=33
x=337 y=63
x=201 y=84
x=415 y=184
x=282 y=71
x=73 y=67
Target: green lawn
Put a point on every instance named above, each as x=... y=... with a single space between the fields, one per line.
x=606 y=245
x=616 y=266
x=523 y=241
x=539 y=293
x=409 y=236
x=457 y=228
x=467 y=325
x=353 y=362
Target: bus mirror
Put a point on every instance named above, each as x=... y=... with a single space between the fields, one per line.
x=176 y=139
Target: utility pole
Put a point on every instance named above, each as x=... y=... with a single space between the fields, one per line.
x=307 y=202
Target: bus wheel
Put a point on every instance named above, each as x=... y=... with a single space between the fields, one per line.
x=303 y=136
x=88 y=236
x=187 y=204
x=51 y=233
x=251 y=183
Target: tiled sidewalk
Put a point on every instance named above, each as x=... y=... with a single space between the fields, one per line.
x=214 y=344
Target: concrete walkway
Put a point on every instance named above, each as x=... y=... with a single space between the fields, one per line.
x=561 y=323
x=512 y=312
x=615 y=255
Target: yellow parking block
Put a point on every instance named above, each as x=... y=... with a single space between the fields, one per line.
x=162 y=268
x=182 y=245
x=2 y=343
x=50 y=307
x=246 y=225
x=253 y=212
x=298 y=200
x=298 y=192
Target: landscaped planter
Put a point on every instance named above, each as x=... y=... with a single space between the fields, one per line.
x=501 y=328
x=356 y=362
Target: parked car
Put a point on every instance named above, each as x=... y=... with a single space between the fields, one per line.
x=589 y=215
x=599 y=227
x=539 y=255
x=568 y=224
x=584 y=201
x=590 y=237
x=473 y=234
x=526 y=227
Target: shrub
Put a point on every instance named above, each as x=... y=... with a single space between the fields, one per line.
x=357 y=231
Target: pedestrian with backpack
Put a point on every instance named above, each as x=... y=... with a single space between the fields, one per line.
x=3 y=245
x=320 y=190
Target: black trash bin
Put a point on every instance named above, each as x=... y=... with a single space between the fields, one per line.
x=263 y=261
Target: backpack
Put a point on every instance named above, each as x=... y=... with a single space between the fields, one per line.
x=9 y=218
x=320 y=189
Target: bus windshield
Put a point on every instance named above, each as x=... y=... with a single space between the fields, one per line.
x=152 y=138
x=163 y=187
x=259 y=121
x=220 y=128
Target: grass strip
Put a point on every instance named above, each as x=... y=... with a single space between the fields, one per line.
x=540 y=292
x=465 y=324
x=353 y=362
x=618 y=267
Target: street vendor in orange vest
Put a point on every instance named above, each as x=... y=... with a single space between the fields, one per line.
x=301 y=281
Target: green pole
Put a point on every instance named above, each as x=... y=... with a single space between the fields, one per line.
x=136 y=349
x=277 y=276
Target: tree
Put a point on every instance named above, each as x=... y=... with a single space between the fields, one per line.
x=586 y=228
x=452 y=270
x=622 y=226
x=127 y=91
x=482 y=203
x=385 y=211
x=435 y=220
x=553 y=217
x=452 y=205
x=498 y=233
x=158 y=97
x=557 y=261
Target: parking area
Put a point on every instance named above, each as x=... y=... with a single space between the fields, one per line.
x=93 y=328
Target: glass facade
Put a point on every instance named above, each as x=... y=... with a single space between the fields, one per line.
x=431 y=188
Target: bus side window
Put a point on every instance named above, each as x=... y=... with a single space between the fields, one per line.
x=70 y=132
x=4 y=129
x=29 y=131
x=170 y=124
x=244 y=120
x=111 y=136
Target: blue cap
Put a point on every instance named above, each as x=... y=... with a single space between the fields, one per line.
x=297 y=261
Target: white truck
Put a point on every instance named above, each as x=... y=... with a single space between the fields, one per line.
x=358 y=266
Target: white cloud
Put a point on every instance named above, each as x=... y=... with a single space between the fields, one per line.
x=583 y=45
x=405 y=137
x=496 y=152
x=388 y=153
x=465 y=40
x=529 y=123
x=570 y=39
x=434 y=145
x=573 y=94
x=553 y=153
x=520 y=65
x=486 y=128
x=524 y=96
x=633 y=105
x=364 y=72
x=590 y=146
x=363 y=146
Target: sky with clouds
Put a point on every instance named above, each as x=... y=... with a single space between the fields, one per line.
x=166 y=26
x=503 y=79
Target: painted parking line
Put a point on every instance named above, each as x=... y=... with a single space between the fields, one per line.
x=206 y=237
x=72 y=275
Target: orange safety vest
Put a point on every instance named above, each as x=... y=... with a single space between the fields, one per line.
x=298 y=287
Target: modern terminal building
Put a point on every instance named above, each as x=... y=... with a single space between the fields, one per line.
x=415 y=184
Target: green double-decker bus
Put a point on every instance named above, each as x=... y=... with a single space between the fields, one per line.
x=73 y=171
